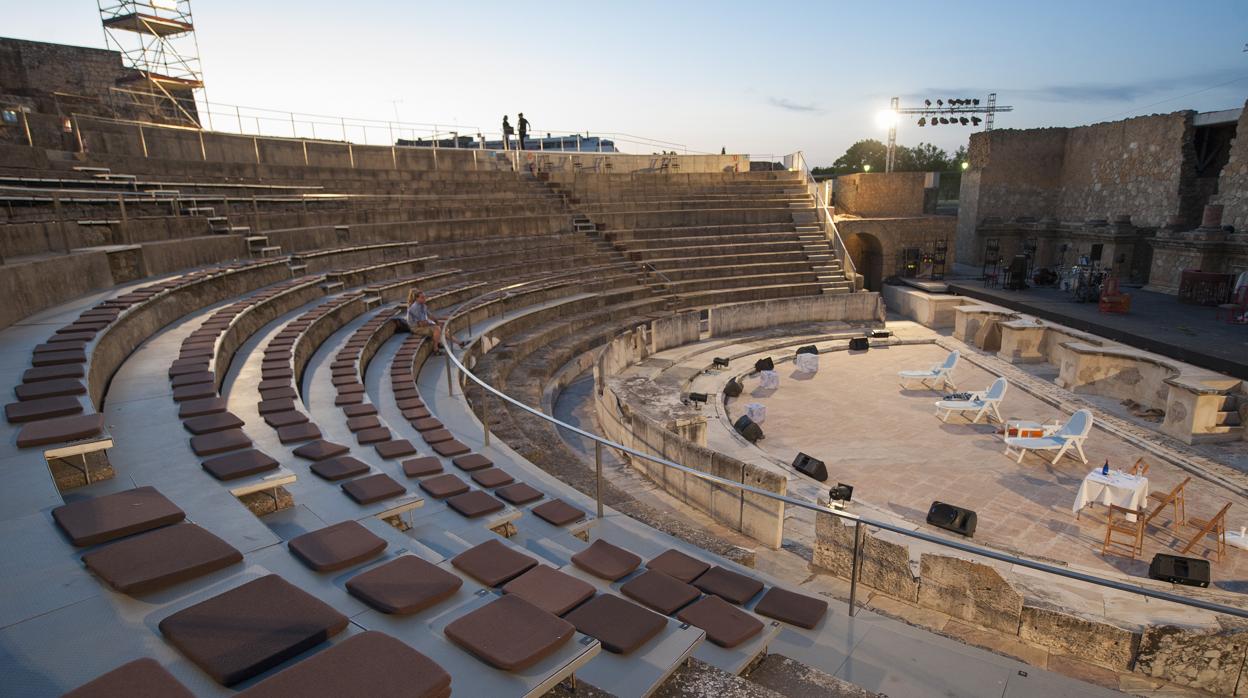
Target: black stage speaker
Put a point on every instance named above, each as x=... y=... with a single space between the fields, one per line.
x=808 y=349
x=764 y=365
x=733 y=389
x=747 y=428
x=952 y=518
x=859 y=344
x=719 y=362
x=881 y=334
x=811 y=467
x=1192 y=572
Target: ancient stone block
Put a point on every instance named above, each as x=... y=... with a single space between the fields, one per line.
x=1210 y=661
x=970 y=591
x=1088 y=640
x=885 y=566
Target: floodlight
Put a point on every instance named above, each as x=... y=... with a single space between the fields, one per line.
x=963 y=120
x=943 y=120
x=975 y=102
x=975 y=120
x=922 y=120
x=939 y=103
x=965 y=165
x=165 y=4
x=866 y=168
x=886 y=119
x=927 y=102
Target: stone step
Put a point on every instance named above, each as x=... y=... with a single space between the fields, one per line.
x=331 y=286
x=240 y=229
x=256 y=239
x=1228 y=403
x=99 y=221
x=298 y=269
x=111 y=176
x=84 y=168
x=788 y=677
x=200 y=211
x=271 y=251
x=819 y=257
x=1228 y=419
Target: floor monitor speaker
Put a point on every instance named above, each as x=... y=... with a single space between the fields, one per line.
x=859 y=344
x=808 y=349
x=1189 y=571
x=952 y=518
x=765 y=364
x=733 y=389
x=748 y=428
x=811 y=467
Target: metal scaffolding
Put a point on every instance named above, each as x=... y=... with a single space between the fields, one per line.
x=156 y=40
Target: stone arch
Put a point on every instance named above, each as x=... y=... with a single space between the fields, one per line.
x=867 y=253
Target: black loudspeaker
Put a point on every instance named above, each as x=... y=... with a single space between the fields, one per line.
x=697 y=397
x=719 y=362
x=808 y=349
x=952 y=518
x=764 y=365
x=881 y=334
x=859 y=344
x=1189 y=571
x=747 y=428
x=811 y=467
x=733 y=389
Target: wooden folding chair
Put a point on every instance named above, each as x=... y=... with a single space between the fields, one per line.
x=1175 y=498
x=1117 y=522
x=1140 y=467
x=1215 y=527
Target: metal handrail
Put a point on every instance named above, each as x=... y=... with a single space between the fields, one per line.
x=859 y=521
x=821 y=203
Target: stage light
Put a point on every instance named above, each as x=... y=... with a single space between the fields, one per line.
x=927 y=102
x=940 y=103
x=975 y=102
x=840 y=495
x=922 y=120
x=943 y=120
x=165 y=4
x=975 y=121
x=697 y=397
x=866 y=168
x=964 y=120
x=886 y=119
x=719 y=362
x=965 y=165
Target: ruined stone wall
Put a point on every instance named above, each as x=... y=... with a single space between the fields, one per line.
x=28 y=67
x=895 y=234
x=1136 y=167
x=1019 y=172
x=893 y=194
x=1233 y=182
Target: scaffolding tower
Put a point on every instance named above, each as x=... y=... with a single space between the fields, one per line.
x=156 y=40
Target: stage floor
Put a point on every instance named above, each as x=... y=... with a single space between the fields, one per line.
x=888 y=443
x=1157 y=322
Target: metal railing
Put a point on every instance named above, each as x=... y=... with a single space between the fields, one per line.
x=859 y=521
x=825 y=216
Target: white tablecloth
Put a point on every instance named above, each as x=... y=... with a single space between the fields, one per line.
x=769 y=380
x=757 y=412
x=1130 y=491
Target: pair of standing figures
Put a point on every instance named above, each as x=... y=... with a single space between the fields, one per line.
x=522 y=123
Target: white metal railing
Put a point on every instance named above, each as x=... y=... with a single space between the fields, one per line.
x=798 y=163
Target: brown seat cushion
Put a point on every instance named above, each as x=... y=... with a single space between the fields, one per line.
x=472 y=461
x=606 y=561
x=406 y=394
x=161 y=558
x=493 y=563
x=728 y=585
x=415 y=413
x=219 y=442
x=425 y=424
x=395 y=448
x=492 y=477
x=273 y=383
x=201 y=407
x=368 y=664
x=193 y=378
x=113 y=516
x=339 y=467
x=239 y=464
x=621 y=626
x=279 y=393
x=444 y=486
x=725 y=625
x=47 y=373
x=52 y=388
x=420 y=467
x=72 y=356
x=209 y=423
x=337 y=546
x=47 y=408
x=404 y=585
x=367 y=421
x=359 y=410
x=659 y=591
x=372 y=436
x=549 y=589
x=194 y=392
x=434 y=436
x=509 y=633
x=558 y=512
x=409 y=403
x=320 y=450
x=142 y=678
x=344 y=378
x=298 y=432
x=450 y=448
x=352 y=388
x=519 y=493
x=60 y=430
x=475 y=503
x=247 y=630
x=373 y=488
x=791 y=608
x=284 y=404
x=285 y=418
x=678 y=565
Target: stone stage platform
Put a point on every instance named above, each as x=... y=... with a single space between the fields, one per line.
x=1157 y=322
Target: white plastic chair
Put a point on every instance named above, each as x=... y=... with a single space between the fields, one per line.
x=942 y=371
x=980 y=403
x=1073 y=433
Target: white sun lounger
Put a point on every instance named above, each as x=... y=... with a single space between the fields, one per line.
x=980 y=403
x=1073 y=433
x=942 y=372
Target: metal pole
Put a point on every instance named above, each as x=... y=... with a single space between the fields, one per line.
x=598 y=471
x=450 y=381
x=853 y=571
x=485 y=417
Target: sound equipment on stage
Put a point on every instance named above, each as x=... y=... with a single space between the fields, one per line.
x=859 y=344
x=811 y=467
x=952 y=518
x=808 y=349
x=1016 y=274
x=841 y=494
x=881 y=334
x=1192 y=572
x=697 y=397
x=747 y=428
x=764 y=364
x=733 y=389
x=719 y=362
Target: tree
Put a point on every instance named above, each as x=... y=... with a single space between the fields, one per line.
x=859 y=155
x=923 y=157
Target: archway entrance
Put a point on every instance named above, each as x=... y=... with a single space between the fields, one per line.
x=868 y=256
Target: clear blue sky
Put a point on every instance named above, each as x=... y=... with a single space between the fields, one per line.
x=756 y=77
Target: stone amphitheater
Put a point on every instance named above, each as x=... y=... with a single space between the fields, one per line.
x=226 y=471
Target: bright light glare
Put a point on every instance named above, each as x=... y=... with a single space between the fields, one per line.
x=886 y=119
x=165 y=4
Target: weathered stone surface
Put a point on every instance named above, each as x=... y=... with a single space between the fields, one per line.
x=1208 y=661
x=970 y=591
x=885 y=566
x=1087 y=640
